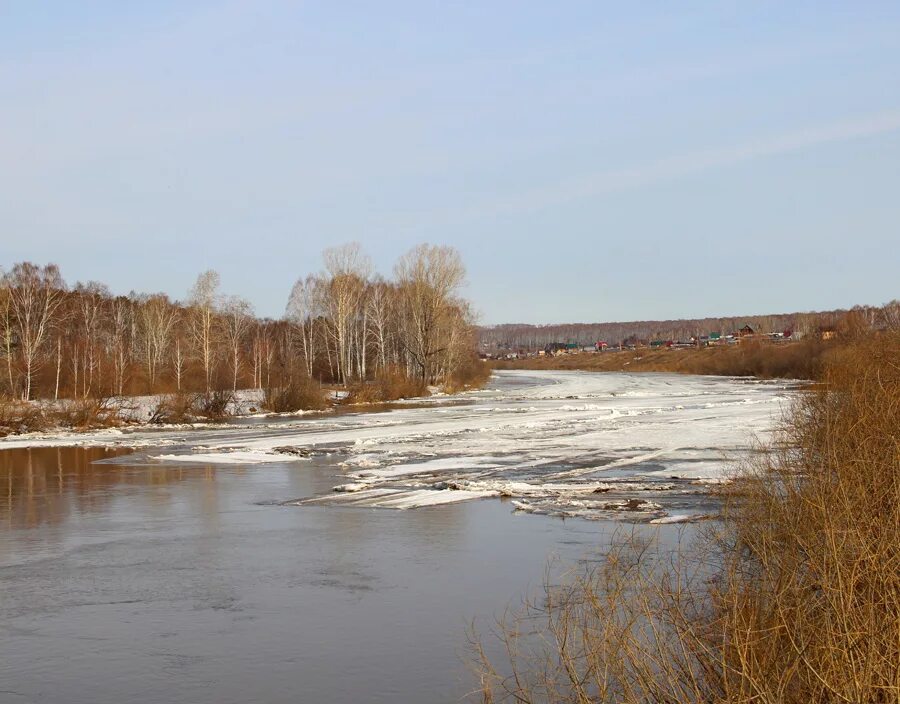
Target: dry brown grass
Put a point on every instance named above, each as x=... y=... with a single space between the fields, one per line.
x=18 y=417
x=794 y=596
x=798 y=360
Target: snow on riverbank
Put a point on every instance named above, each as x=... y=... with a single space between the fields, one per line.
x=557 y=443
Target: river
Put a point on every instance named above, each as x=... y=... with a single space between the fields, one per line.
x=220 y=566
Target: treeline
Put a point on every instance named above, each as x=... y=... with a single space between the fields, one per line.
x=754 y=356
x=803 y=360
x=529 y=337
x=345 y=325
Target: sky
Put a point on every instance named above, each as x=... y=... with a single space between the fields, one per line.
x=591 y=161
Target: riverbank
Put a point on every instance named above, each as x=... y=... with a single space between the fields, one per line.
x=796 y=360
x=185 y=409
x=116 y=412
x=792 y=596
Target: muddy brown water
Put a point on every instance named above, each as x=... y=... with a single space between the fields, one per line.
x=135 y=583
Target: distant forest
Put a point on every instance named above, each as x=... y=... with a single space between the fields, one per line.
x=521 y=336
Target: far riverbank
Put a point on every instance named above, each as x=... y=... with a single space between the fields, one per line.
x=797 y=360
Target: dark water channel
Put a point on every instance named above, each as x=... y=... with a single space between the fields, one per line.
x=129 y=583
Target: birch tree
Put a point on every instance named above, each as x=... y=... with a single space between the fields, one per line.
x=203 y=299
x=156 y=318
x=121 y=315
x=6 y=331
x=179 y=355
x=348 y=269
x=238 y=316
x=263 y=354
x=91 y=300
x=890 y=313
x=35 y=297
x=381 y=310
x=429 y=278
x=303 y=309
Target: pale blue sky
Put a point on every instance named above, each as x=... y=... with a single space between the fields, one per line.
x=592 y=161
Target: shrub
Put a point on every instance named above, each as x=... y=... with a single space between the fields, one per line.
x=390 y=384
x=214 y=404
x=21 y=417
x=300 y=394
x=88 y=413
x=187 y=407
x=174 y=408
x=471 y=374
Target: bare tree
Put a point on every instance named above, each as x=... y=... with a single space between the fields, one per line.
x=348 y=270
x=179 y=355
x=156 y=321
x=256 y=353
x=890 y=314
x=429 y=278
x=121 y=315
x=303 y=309
x=381 y=309
x=7 y=330
x=204 y=299
x=91 y=309
x=460 y=337
x=263 y=353
x=238 y=316
x=35 y=296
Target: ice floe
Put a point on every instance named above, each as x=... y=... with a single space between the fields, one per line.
x=232 y=457
x=633 y=447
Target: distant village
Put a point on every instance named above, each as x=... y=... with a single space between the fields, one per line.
x=744 y=334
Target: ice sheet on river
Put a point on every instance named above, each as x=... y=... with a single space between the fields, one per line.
x=556 y=443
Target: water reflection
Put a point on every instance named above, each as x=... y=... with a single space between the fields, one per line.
x=48 y=485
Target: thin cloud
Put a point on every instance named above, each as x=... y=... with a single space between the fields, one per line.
x=690 y=164
x=681 y=166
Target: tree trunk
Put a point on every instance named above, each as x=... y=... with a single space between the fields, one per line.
x=58 y=365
